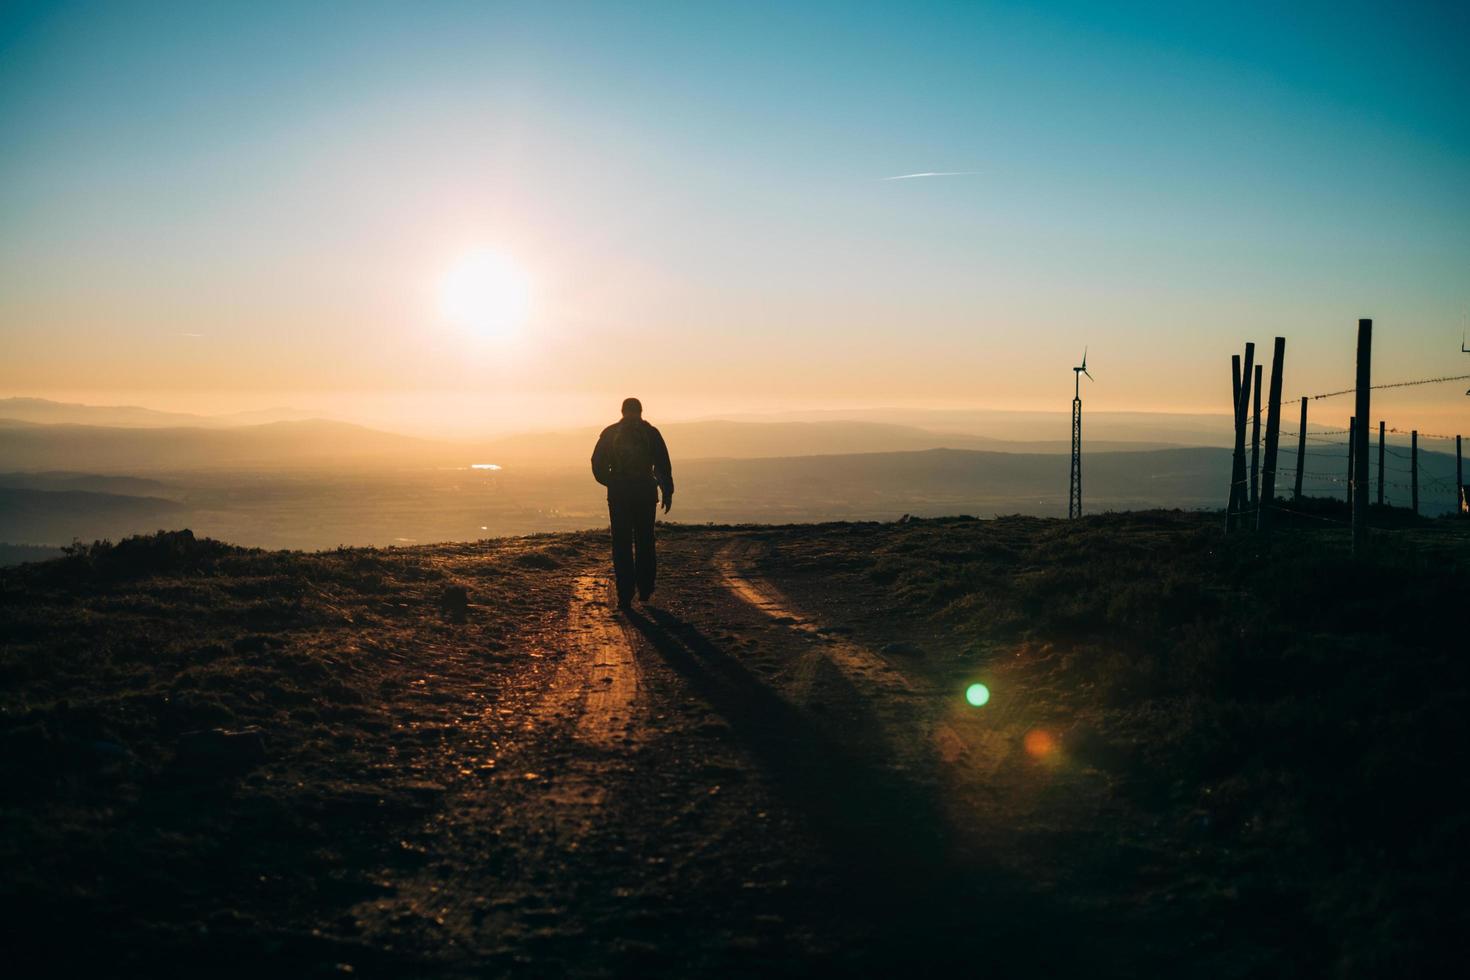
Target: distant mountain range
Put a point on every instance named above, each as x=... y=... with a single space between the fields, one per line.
x=1139 y=428
x=948 y=481
x=318 y=444
x=46 y=412
x=314 y=444
x=40 y=435
x=726 y=439
x=979 y=425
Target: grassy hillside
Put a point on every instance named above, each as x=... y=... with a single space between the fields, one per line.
x=1202 y=756
x=182 y=853
x=1278 y=723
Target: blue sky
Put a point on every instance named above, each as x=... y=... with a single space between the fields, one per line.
x=696 y=191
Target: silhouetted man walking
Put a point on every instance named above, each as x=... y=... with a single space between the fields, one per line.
x=632 y=461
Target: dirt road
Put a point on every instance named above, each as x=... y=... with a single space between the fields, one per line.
x=718 y=780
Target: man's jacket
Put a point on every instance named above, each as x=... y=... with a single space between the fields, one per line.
x=631 y=457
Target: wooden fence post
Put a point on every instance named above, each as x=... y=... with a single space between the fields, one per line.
x=1352 y=444
x=1256 y=444
x=1230 y=506
x=1380 y=462
x=1237 y=470
x=1364 y=389
x=1235 y=379
x=1301 y=451
x=1273 y=434
x=1414 y=468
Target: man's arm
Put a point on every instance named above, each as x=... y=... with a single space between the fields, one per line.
x=599 y=459
x=663 y=470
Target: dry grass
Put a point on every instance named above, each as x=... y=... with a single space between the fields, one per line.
x=1280 y=725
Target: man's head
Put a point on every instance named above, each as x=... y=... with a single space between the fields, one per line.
x=632 y=409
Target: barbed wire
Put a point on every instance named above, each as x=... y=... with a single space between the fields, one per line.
x=1392 y=384
x=1424 y=473
x=1422 y=435
x=1310 y=454
x=1319 y=432
x=1347 y=488
x=1339 y=487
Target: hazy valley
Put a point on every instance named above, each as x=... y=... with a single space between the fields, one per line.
x=311 y=484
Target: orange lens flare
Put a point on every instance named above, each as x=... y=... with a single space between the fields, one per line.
x=1039 y=743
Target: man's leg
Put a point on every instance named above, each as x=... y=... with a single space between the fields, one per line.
x=621 y=517
x=643 y=520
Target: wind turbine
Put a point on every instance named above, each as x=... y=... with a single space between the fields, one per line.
x=1464 y=350
x=1082 y=369
x=1074 y=493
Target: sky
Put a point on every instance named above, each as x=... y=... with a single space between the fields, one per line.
x=226 y=206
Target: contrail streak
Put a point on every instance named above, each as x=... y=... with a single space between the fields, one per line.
x=933 y=173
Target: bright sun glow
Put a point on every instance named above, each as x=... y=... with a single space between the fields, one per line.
x=486 y=292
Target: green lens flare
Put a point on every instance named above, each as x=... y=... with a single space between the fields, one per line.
x=977 y=694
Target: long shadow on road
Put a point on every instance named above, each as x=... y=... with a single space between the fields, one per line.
x=906 y=889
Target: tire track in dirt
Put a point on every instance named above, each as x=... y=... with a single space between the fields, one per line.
x=565 y=740
x=597 y=688
x=976 y=757
x=889 y=689
x=602 y=660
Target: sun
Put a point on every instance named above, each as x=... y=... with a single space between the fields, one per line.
x=487 y=292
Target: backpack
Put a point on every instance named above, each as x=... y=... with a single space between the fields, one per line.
x=632 y=452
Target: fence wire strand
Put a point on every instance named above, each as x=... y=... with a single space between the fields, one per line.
x=1392 y=384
